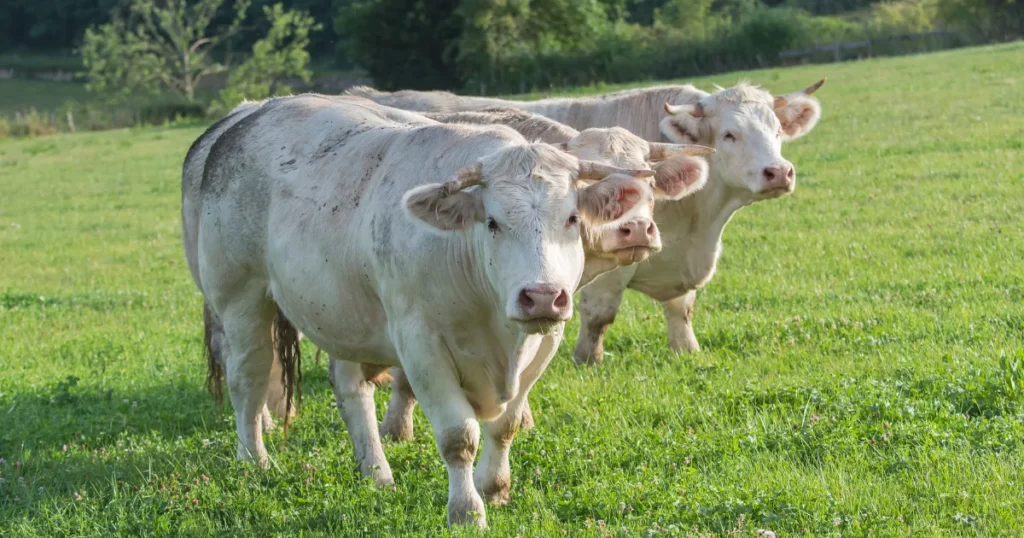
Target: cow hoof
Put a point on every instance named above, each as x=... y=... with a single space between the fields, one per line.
x=468 y=511
x=526 y=421
x=395 y=431
x=685 y=345
x=497 y=491
x=588 y=355
x=268 y=421
x=258 y=457
x=383 y=480
x=588 y=359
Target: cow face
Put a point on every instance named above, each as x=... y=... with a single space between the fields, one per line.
x=676 y=176
x=747 y=125
x=522 y=210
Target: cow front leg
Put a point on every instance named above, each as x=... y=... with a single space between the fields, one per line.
x=526 y=420
x=598 y=306
x=679 y=320
x=429 y=368
x=493 y=477
x=353 y=392
x=397 y=423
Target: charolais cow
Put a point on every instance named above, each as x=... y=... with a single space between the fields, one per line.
x=330 y=216
x=746 y=124
x=676 y=175
x=605 y=247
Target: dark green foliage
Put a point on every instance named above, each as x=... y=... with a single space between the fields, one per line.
x=404 y=43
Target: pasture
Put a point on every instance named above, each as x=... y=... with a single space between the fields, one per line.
x=862 y=370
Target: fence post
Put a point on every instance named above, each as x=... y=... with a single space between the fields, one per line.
x=71 y=121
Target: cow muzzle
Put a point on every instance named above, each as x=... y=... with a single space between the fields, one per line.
x=777 y=180
x=633 y=241
x=542 y=306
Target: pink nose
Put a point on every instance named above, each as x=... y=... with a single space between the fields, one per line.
x=779 y=176
x=545 y=302
x=637 y=233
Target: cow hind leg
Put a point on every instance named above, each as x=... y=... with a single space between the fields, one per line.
x=679 y=321
x=353 y=392
x=397 y=423
x=598 y=307
x=247 y=327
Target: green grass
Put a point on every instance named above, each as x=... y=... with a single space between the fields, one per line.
x=861 y=375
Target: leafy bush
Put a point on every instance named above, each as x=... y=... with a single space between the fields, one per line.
x=278 y=55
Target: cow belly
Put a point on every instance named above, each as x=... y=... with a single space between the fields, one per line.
x=662 y=285
x=347 y=322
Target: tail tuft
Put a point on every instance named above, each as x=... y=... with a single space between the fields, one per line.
x=289 y=352
x=214 y=370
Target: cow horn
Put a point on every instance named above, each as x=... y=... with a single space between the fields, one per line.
x=661 y=151
x=595 y=170
x=783 y=100
x=464 y=179
x=696 y=110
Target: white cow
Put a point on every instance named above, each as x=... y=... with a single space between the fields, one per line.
x=745 y=123
x=606 y=247
x=676 y=175
x=388 y=239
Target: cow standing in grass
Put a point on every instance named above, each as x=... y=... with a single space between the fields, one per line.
x=388 y=239
x=746 y=124
x=676 y=175
x=605 y=247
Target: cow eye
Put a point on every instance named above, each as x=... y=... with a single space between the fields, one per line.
x=573 y=220
x=492 y=225
x=730 y=137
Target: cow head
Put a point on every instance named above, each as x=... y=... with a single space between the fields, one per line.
x=522 y=210
x=747 y=125
x=676 y=175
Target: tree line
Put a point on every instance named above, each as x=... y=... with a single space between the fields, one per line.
x=483 y=46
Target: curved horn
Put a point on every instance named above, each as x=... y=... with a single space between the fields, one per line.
x=661 y=151
x=696 y=110
x=783 y=100
x=465 y=178
x=596 y=170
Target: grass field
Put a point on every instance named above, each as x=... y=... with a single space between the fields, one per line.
x=861 y=375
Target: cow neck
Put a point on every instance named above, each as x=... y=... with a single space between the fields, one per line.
x=701 y=220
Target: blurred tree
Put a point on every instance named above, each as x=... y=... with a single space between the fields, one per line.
x=989 y=20
x=403 y=43
x=161 y=44
x=498 y=29
x=281 y=54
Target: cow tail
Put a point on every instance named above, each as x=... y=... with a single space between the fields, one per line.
x=289 y=352
x=214 y=370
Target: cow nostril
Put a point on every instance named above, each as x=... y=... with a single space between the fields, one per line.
x=562 y=300
x=525 y=301
x=651 y=229
x=790 y=173
x=769 y=174
x=625 y=231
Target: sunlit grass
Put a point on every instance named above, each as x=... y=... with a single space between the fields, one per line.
x=862 y=368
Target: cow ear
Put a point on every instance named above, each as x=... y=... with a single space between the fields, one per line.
x=440 y=209
x=798 y=116
x=614 y=198
x=679 y=177
x=681 y=128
